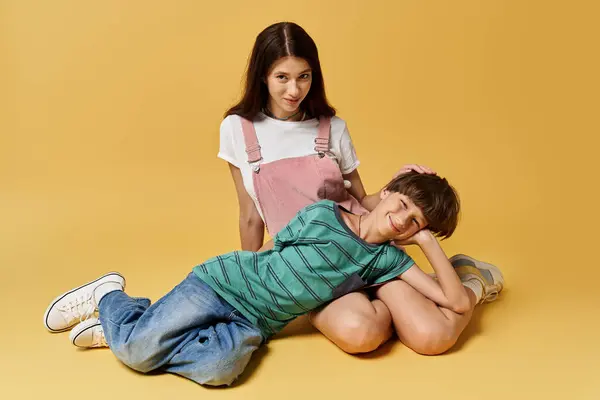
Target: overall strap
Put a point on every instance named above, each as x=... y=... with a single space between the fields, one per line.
x=251 y=141
x=322 y=140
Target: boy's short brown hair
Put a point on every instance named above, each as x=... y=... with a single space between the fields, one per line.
x=436 y=198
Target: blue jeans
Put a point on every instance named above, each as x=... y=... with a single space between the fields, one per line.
x=191 y=332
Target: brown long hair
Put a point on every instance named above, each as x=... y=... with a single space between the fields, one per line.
x=279 y=40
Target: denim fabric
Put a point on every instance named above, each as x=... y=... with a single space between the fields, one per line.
x=191 y=332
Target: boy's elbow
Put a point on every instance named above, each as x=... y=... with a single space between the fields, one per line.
x=461 y=305
x=460 y=309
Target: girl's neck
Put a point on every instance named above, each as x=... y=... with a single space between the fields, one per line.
x=280 y=115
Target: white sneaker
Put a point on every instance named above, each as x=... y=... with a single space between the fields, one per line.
x=88 y=334
x=489 y=275
x=77 y=304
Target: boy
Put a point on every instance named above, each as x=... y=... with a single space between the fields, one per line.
x=208 y=326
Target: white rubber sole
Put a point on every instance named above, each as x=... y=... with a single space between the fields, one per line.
x=56 y=300
x=81 y=329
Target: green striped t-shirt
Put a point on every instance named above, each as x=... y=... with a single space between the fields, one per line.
x=316 y=258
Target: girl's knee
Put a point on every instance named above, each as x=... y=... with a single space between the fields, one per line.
x=360 y=333
x=433 y=347
x=430 y=339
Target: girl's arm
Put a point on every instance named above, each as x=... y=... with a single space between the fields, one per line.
x=357 y=190
x=252 y=227
x=267 y=246
x=448 y=291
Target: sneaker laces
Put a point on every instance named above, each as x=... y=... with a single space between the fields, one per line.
x=98 y=338
x=81 y=307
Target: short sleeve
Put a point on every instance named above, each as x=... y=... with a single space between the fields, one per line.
x=301 y=227
x=292 y=230
x=227 y=142
x=399 y=262
x=349 y=161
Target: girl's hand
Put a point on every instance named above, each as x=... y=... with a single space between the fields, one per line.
x=421 y=169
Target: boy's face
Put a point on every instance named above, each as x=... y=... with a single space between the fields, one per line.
x=397 y=217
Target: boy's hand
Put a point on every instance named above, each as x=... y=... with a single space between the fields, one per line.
x=419 y=238
x=398 y=245
x=421 y=169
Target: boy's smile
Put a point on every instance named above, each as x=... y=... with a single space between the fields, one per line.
x=398 y=217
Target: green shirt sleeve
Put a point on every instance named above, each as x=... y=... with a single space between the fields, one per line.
x=292 y=231
x=301 y=227
x=399 y=262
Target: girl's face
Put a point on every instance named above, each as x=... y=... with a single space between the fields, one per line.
x=288 y=81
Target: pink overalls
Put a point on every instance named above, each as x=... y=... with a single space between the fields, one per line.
x=283 y=187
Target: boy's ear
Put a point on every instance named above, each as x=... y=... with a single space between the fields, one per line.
x=384 y=193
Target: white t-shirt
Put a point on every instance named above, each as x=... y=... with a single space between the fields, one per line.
x=283 y=139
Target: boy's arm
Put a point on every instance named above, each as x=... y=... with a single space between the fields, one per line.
x=448 y=290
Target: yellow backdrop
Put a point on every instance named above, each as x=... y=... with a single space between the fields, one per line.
x=109 y=117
